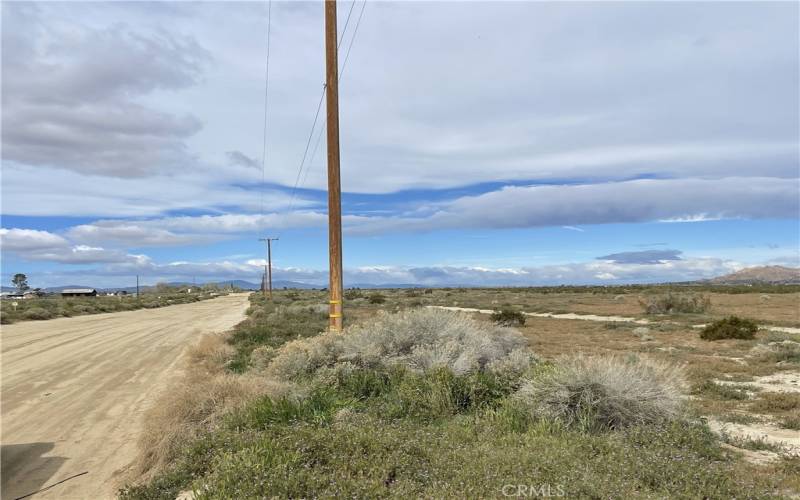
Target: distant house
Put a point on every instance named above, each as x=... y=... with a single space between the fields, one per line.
x=79 y=292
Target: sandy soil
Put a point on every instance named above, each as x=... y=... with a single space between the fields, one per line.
x=786 y=438
x=604 y=319
x=74 y=391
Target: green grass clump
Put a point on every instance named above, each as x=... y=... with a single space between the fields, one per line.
x=271 y=324
x=321 y=451
x=508 y=317
x=716 y=390
x=732 y=327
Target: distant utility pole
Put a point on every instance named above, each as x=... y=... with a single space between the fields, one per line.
x=137 y=286
x=268 y=267
x=334 y=183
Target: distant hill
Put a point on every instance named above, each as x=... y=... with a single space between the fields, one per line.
x=776 y=275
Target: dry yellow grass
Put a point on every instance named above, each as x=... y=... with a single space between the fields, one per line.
x=196 y=403
x=778 y=308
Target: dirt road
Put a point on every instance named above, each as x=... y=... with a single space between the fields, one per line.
x=74 y=390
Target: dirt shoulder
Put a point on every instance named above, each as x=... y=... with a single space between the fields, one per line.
x=74 y=391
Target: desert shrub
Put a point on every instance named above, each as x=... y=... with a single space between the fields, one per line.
x=771 y=402
x=791 y=422
x=211 y=352
x=715 y=390
x=732 y=327
x=37 y=313
x=352 y=294
x=261 y=357
x=777 y=352
x=605 y=392
x=672 y=303
x=272 y=326
x=508 y=317
x=419 y=339
x=376 y=298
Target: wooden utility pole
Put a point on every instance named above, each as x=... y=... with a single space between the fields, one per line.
x=268 y=267
x=334 y=184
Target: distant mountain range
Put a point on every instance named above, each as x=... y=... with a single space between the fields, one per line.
x=244 y=285
x=775 y=275
x=751 y=275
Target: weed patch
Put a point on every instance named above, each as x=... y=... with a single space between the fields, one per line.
x=776 y=402
x=732 y=327
x=673 y=303
x=508 y=317
x=715 y=390
x=605 y=393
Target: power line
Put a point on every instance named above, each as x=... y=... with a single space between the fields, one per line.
x=319 y=105
x=344 y=65
x=266 y=108
x=346 y=22
x=355 y=32
x=305 y=153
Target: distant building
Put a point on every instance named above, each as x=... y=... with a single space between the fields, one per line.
x=79 y=292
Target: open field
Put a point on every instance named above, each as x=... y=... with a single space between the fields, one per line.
x=773 y=305
x=74 y=389
x=366 y=430
x=58 y=307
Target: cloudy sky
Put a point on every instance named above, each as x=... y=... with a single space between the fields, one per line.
x=482 y=142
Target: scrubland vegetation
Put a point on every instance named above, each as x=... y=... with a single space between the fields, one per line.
x=58 y=307
x=417 y=402
x=672 y=303
x=733 y=327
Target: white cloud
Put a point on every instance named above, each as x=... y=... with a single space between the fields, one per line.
x=34 y=245
x=598 y=272
x=30 y=240
x=613 y=202
x=532 y=99
x=52 y=192
x=509 y=207
x=189 y=230
x=70 y=94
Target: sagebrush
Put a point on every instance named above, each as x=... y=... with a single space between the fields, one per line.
x=508 y=317
x=419 y=339
x=608 y=392
x=732 y=327
x=674 y=303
